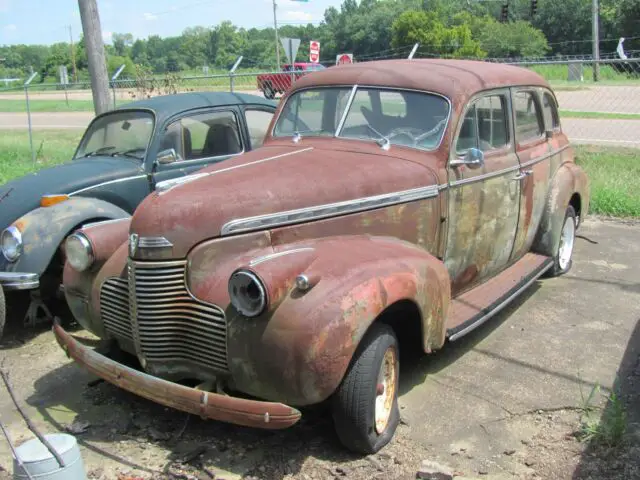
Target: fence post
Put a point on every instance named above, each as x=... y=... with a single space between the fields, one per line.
x=232 y=71
x=26 y=95
x=113 y=82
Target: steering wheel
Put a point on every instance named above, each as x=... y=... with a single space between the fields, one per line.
x=410 y=132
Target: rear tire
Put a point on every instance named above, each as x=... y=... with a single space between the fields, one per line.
x=268 y=92
x=365 y=406
x=563 y=259
x=3 y=312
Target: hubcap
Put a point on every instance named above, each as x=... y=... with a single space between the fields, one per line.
x=386 y=389
x=567 y=238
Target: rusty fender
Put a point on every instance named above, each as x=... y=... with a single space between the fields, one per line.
x=239 y=411
x=569 y=179
x=298 y=351
x=45 y=228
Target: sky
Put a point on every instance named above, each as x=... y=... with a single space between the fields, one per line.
x=48 y=21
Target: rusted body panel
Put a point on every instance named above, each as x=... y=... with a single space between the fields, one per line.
x=251 y=413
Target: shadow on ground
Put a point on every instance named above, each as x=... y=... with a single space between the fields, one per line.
x=600 y=460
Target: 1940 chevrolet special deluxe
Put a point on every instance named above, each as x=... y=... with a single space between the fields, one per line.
x=393 y=205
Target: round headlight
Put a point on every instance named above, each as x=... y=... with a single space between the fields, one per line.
x=11 y=240
x=247 y=293
x=79 y=252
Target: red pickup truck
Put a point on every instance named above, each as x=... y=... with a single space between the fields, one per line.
x=272 y=83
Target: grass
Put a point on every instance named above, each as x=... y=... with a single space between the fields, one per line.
x=599 y=115
x=560 y=73
x=53 y=147
x=614 y=178
x=602 y=426
x=46 y=105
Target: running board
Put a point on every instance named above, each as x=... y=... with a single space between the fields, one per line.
x=473 y=308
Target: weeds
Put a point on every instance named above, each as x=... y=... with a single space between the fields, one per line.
x=602 y=425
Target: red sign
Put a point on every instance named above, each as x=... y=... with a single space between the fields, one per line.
x=314 y=51
x=343 y=58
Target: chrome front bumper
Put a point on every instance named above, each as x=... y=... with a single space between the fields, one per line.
x=19 y=281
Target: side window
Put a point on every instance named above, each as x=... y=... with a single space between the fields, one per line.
x=485 y=125
x=257 y=123
x=203 y=136
x=550 y=111
x=528 y=118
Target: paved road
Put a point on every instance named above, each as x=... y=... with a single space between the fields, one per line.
x=501 y=389
x=45 y=120
x=606 y=98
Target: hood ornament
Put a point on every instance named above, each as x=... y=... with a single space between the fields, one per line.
x=133 y=244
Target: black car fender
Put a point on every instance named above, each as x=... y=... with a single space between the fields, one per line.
x=44 y=229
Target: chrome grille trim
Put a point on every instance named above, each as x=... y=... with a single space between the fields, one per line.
x=114 y=307
x=170 y=324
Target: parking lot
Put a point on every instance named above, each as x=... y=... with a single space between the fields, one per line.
x=501 y=403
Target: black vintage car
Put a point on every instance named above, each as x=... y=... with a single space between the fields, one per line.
x=122 y=156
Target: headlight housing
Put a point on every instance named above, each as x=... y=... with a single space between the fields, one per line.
x=79 y=252
x=11 y=240
x=247 y=293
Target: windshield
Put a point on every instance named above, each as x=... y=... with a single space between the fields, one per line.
x=124 y=134
x=389 y=117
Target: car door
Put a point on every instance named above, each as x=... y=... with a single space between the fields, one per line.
x=483 y=198
x=198 y=140
x=533 y=149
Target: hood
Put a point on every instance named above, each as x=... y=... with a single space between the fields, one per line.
x=22 y=195
x=272 y=179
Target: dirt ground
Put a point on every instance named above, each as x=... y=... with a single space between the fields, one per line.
x=502 y=403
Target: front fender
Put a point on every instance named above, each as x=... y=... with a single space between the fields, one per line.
x=570 y=179
x=299 y=350
x=44 y=229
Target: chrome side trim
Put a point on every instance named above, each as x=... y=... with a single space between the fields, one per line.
x=154 y=242
x=19 y=281
x=544 y=157
x=328 y=210
x=235 y=167
x=110 y=182
x=271 y=256
x=486 y=176
x=103 y=222
x=500 y=306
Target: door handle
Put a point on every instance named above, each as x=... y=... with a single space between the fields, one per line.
x=523 y=174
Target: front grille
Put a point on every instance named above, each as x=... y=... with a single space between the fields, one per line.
x=114 y=307
x=171 y=324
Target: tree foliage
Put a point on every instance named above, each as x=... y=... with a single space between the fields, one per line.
x=367 y=28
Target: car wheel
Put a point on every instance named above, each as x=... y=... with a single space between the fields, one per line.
x=268 y=92
x=563 y=260
x=365 y=406
x=3 y=311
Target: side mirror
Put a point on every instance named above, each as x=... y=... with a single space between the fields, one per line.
x=474 y=158
x=166 y=157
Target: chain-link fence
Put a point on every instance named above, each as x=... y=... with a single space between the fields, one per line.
x=606 y=112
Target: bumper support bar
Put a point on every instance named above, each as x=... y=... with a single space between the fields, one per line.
x=19 y=281
x=239 y=411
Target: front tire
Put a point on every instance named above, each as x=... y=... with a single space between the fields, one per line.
x=563 y=259
x=365 y=406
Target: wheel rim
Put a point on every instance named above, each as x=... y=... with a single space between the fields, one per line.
x=386 y=389
x=567 y=238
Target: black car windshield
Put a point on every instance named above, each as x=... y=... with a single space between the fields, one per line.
x=118 y=134
x=389 y=117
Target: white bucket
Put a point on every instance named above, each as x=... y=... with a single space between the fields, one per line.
x=42 y=465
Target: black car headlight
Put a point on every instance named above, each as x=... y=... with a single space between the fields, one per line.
x=247 y=293
x=79 y=252
x=11 y=241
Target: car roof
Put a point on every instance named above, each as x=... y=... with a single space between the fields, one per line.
x=166 y=106
x=451 y=78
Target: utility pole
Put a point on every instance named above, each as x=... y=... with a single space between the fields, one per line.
x=73 y=57
x=95 y=55
x=595 y=10
x=275 y=26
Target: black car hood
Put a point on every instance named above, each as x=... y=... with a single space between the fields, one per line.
x=22 y=195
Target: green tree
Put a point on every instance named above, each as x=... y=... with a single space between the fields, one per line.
x=122 y=43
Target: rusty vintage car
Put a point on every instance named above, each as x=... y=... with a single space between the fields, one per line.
x=394 y=205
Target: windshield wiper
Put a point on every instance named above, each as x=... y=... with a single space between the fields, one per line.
x=129 y=153
x=97 y=152
x=382 y=140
